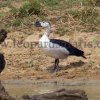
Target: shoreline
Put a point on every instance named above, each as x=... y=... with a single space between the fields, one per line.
x=60 y=81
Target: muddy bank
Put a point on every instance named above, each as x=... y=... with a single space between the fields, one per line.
x=17 y=88
x=53 y=95
x=54 y=81
x=3 y=94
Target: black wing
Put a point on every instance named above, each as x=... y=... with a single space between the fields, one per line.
x=72 y=50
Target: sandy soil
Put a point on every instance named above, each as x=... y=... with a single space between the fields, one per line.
x=25 y=60
x=32 y=63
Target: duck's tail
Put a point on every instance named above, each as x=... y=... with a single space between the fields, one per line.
x=78 y=52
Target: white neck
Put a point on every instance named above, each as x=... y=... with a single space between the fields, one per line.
x=48 y=31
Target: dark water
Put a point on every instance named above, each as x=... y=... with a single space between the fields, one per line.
x=17 y=90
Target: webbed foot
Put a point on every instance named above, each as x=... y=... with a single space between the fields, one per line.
x=53 y=69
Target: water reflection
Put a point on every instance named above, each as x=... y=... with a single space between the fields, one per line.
x=17 y=90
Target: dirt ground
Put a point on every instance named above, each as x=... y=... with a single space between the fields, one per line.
x=25 y=60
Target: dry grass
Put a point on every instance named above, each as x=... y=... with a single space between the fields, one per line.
x=76 y=20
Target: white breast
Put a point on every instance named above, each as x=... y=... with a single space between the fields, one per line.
x=52 y=50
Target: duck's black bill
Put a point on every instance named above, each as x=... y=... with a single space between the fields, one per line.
x=37 y=24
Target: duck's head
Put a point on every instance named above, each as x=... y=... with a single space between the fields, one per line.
x=42 y=24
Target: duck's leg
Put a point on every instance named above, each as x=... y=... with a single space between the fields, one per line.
x=56 y=67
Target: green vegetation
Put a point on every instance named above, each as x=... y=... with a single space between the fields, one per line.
x=61 y=31
x=25 y=11
x=96 y=40
x=85 y=15
x=83 y=2
x=29 y=8
x=71 y=15
x=91 y=64
x=17 y=22
x=5 y=3
x=2 y=15
x=51 y=3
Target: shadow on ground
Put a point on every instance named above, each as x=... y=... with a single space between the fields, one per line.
x=71 y=65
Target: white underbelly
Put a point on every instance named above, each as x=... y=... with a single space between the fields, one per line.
x=55 y=51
